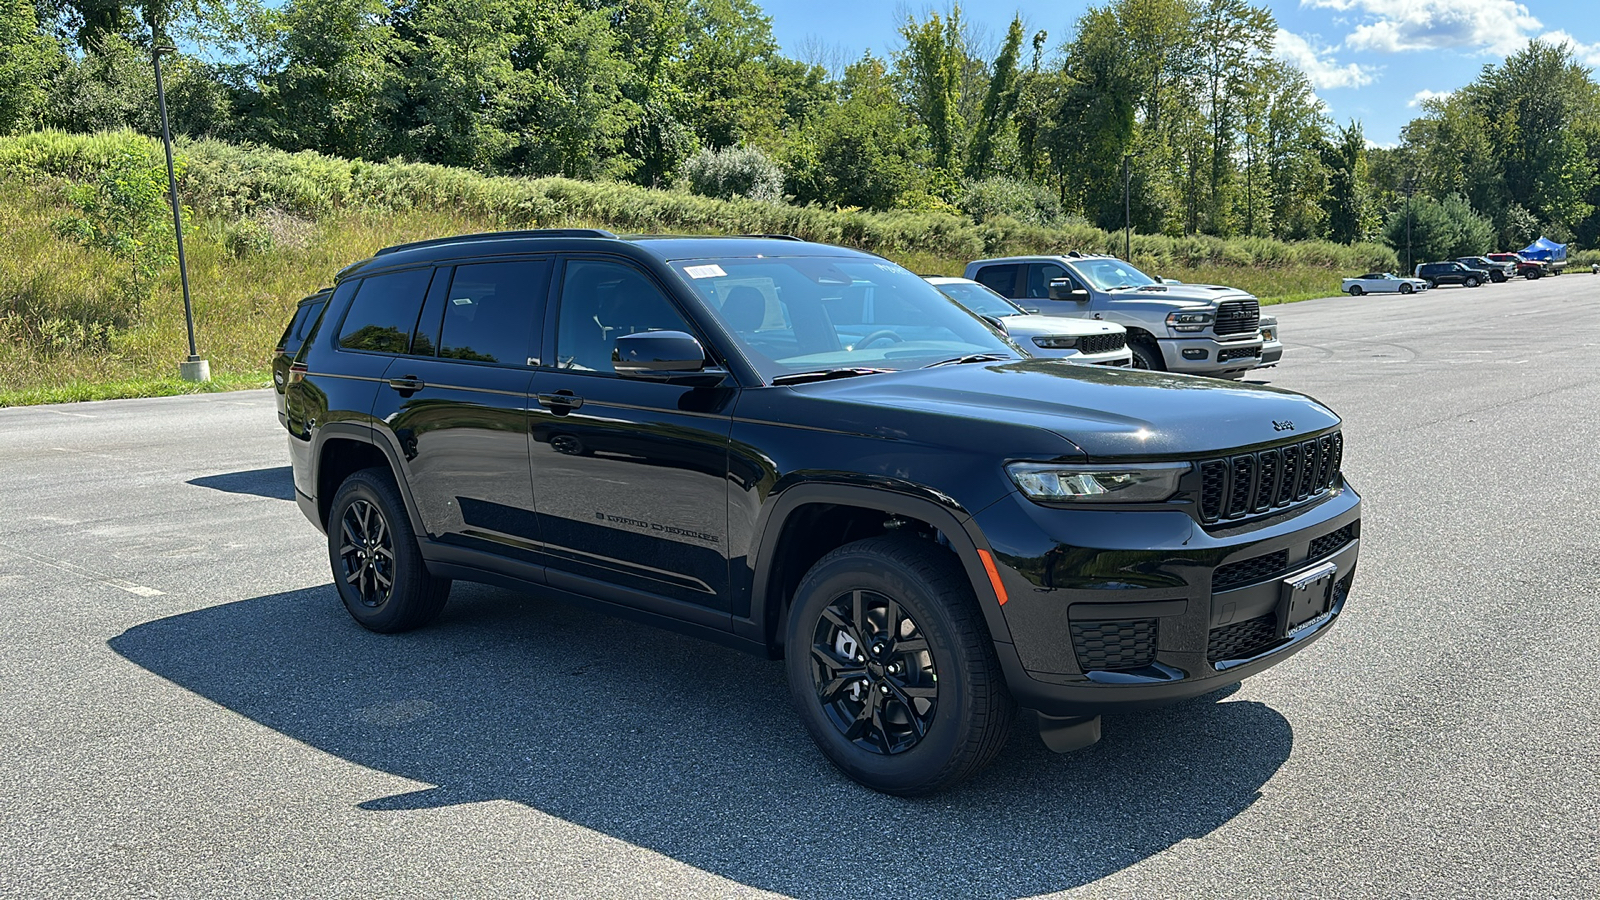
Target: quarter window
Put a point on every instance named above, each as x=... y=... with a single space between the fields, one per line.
x=384 y=311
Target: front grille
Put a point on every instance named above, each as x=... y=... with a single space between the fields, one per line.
x=1247 y=570
x=1233 y=353
x=1102 y=343
x=1242 y=640
x=1252 y=483
x=1109 y=646
x=1238 y=316
x=1325 y=545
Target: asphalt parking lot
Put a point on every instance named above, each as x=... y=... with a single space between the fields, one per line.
x=186 y=710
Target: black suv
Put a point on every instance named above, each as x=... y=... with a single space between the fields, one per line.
x=808 y=452
x=1437 y=273
x=1497 y=272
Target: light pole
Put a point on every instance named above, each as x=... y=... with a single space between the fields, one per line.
x=193 y=368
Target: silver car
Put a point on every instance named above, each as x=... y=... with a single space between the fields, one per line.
x=1087 y=341
x=1382 y=283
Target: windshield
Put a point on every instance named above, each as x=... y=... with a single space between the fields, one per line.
x=1111 y=274
x=979 y=299
x=805 y=314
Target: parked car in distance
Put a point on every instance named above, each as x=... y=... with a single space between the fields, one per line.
x=1499 y=272
x=1200 y=329
x=1451 y=272
x=306 y=313
x=1529 y=269
x=1382 y=283
x=1271 y=344
x=1087 y=341
x=807 y=452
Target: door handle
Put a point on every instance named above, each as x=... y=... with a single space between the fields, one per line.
x=407 y=384
x=561 y=402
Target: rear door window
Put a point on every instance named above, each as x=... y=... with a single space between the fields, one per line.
x=384 y=312
x=1000 y=279
x=492 y=310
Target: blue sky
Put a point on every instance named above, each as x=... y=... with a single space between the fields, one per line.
x=1371 y=60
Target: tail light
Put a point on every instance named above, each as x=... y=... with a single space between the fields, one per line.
x=297 y=373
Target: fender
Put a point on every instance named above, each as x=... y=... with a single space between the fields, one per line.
x=367 y=434
x=954 y=522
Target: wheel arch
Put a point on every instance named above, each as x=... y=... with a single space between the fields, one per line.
x=343 y=449
x=806 y=521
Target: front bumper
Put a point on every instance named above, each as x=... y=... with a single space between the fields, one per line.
x=1203 y=355
x=1110 y=610
x=1271 y=353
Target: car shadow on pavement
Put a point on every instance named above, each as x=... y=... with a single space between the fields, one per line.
x=691 y=750
x=276 y=483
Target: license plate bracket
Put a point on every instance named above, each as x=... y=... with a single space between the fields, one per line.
x=1305 y=597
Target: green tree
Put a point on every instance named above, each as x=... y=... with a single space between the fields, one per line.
x=930 y=69
x=1346 y=202
x=998 y=102
x=126 y=211
x=337 y=89
x=1439 y=229
x=27 y=60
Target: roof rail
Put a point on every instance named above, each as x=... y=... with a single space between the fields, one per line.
x=774 y=237
x=498 y=235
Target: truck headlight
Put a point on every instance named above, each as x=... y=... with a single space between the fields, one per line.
x=1269 y=333
x=1056 y=342
x=1189 y=321
x=1059 y=483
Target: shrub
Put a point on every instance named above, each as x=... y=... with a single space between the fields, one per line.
x=126 y=210
x=986 y=198
x=734 y=172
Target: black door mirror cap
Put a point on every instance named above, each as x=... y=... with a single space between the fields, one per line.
x=671 y=356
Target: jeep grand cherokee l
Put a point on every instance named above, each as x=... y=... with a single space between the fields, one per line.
x=809 y=453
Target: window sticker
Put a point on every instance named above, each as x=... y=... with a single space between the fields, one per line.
x=711 y=271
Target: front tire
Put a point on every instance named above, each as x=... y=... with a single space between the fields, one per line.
x=377 y=568
x=1472 y=281
x=1405 y=289
x=1147 y=356
x=892 y=668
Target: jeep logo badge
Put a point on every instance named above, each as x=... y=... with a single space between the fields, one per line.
x=1285 y=425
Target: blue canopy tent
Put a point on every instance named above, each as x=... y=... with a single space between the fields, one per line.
x=1546 y=250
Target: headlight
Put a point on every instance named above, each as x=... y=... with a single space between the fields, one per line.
x=1189 y=321
x=1269 y=334
x=1056 y=342
x=1057 y=483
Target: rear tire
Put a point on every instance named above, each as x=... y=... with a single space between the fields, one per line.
x=1355 y=290
x=892 y=668
x=377 y=568
x=1147 y=356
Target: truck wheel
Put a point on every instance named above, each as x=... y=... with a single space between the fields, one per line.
x=377 y=568
x=1405 y=288
x=1497 y=277
x=1355 y=290
x=1147 y=356
x=1532 y=274
x=892 y=669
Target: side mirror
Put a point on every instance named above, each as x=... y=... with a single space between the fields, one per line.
x=1062 y=289
x=995 y=323
x=662 y=356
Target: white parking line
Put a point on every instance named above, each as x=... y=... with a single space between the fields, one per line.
x=137 y=590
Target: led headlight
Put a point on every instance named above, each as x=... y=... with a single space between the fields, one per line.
x=1056 y=342
x=1269 y=334
x=1189 y=321
x=1058 y=483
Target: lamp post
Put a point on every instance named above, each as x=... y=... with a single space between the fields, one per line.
x=193 y=368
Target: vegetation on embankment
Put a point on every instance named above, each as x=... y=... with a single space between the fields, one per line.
x=88 y=295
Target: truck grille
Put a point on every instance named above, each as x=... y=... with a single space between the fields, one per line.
x=1238 y=316
x=1102 y=343
x=1256 y=483
x=1232 y=353
x=1108 y=646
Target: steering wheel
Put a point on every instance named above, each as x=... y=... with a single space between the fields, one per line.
x=878 y=335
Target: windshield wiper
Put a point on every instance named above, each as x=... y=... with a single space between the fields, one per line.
x=827 y=375
x=970 y=358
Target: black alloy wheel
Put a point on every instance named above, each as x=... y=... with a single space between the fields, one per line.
x=873 y=673
x=1146 y=356
x=891 y=666
x=366 y=549
x=1355 y=290
x=1405 y=288
x=378 y=568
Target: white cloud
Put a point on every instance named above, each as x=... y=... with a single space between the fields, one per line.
x=1588 y=54
x=1425 y=95
x=1318 y=63
x=1499 y=27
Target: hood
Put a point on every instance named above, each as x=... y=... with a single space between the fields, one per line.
x=1032 y=326
x=1181 y=295
x=1105 y=412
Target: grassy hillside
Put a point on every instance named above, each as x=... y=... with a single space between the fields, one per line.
x=266 y=227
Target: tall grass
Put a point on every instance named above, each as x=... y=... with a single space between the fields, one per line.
x=268 y=227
